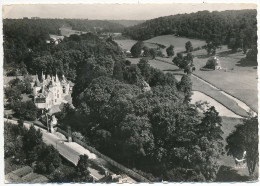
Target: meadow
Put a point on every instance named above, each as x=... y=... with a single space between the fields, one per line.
x=227 y=171
x=165 y=40
x=177 y=42
x=197 y=85
x=238 y=77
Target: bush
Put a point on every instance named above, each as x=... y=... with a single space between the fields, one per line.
x=51 y=168
x=40 y=168
x=252 y=54
x=136 y=49
x=27 y=110
x=78 y=135
x=9 y=149
x=58 y=176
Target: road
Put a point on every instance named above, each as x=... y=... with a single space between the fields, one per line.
x=70 y=151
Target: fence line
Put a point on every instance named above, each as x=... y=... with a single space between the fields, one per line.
x=112 y=162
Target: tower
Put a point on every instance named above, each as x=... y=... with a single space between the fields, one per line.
x=56 y=78
x=43 y=76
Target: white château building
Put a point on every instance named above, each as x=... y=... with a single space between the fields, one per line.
x=50 y=91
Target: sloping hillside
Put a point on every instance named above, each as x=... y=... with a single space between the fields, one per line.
x=224 y=27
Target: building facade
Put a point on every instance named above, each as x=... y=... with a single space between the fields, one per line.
x=50 y=91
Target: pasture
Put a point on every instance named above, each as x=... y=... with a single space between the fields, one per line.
x=227 y=171
x=126 y=44
x=166 y=40
x=238 y=77
x=197 y=85
x=177 y=42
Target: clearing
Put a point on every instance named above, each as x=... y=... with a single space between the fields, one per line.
x=177 y=42
x=165 y=40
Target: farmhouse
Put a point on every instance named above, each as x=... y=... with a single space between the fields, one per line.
x=50 y=91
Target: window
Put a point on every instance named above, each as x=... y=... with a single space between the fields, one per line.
x=55 y=100
x=58 y=96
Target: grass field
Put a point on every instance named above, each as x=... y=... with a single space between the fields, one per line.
x=227 y=171
x=166 y=40
x=178 y=42
x=125 y=44
x=238 y=78
x=215 y=94
x=197 y=84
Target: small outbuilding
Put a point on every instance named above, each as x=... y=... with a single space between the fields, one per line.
x=213 y=63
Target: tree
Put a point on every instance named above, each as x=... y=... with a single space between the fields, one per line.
x=153 y=52
x=132 y=75
x=188 y=46
x=146 y=51
x=82 y=168
x=27 y=110
x=27 y=84
x=144 y=67
x=118 y=72
x=31 y=139
x=136 y=137
x=170 y=51
x=189 y=57
x=136 y=49
x=21 y=122
x=178 y=60
x=13 y=94
x=252 y=54
x=234 y=44
x=245 y=138
x=185 y=86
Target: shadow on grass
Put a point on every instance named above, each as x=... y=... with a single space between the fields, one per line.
x=246 y=63
x=203 y=56
x=173 y=70
x=228 y=174
x=225 y=53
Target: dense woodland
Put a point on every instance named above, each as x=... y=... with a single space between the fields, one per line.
x=228 y=27
x=25 y=39
x=135 y=127
x=157 y=131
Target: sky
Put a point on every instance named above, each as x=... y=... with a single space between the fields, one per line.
x=113 y=11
